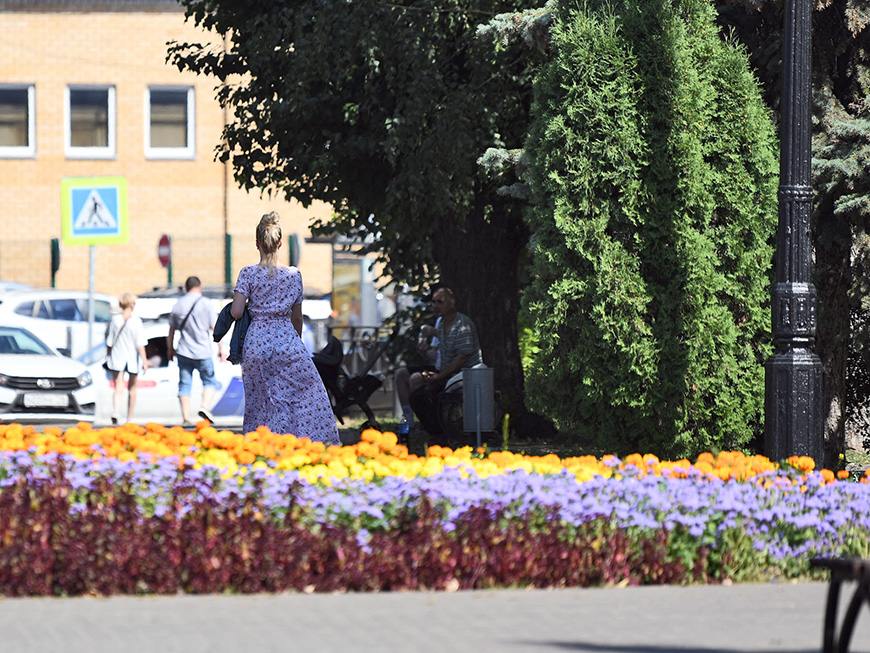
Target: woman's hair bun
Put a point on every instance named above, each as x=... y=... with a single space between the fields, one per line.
x=270 y=219
x=269 y=232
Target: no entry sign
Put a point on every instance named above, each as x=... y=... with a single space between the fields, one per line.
x=164 y=250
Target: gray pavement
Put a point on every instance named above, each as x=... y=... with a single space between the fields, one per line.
x=696 y=619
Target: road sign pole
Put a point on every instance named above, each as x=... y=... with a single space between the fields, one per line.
x=55 y=260
x=169 y=275
x=228 y=259
x=91 y=283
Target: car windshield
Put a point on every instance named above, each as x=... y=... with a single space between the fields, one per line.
x=19 y=341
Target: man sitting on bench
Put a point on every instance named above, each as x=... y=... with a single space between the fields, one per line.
x=459 y=349
x=410 y=377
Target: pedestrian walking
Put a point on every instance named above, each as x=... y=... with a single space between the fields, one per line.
x=283 y=390
x=193 y=318
x=125 y=354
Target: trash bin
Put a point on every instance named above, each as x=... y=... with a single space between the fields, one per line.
x=478 y=401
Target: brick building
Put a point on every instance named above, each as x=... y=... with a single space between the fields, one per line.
x=85 y=91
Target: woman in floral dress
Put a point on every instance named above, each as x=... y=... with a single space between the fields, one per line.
x=283 y=390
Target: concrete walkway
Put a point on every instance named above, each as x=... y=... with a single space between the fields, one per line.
x=711 y=619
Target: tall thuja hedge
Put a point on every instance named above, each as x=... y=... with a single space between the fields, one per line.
x=655 y=176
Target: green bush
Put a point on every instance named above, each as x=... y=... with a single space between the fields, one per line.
x=654 y=175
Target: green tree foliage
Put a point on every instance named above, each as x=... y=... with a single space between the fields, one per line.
x=382 y=109
x=654 y=172
x=841 y=153
x=841 y=42
x=857 y=368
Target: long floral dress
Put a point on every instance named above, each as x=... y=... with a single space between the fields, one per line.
x=283 y=390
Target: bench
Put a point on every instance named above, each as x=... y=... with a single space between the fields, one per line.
x=451 y=406
x=843 y=569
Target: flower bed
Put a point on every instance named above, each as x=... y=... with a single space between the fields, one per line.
x=160 y=510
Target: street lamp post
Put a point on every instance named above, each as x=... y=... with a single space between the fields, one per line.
x=793 y=375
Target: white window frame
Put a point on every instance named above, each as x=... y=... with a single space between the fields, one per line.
x=188 y=152
x=108 y=152
x=27 y=151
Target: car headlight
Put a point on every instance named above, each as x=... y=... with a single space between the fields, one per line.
x=84 y=379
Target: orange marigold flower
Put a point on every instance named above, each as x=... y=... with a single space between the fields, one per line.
x=551 y=459
x=650 y=459
x=370 y=435
x=806 y=464
x=634 y=459
x=726 y=458
x=367 y=449
x=500 y=458
x=389 y=440
x=705 y=466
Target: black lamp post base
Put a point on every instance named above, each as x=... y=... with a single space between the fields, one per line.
x=793 y=412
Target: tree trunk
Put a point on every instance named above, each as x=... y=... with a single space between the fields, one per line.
x=833 y=280
x=479 y=261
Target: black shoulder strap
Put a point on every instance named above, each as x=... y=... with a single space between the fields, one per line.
x=184 y=321
x=118 y=335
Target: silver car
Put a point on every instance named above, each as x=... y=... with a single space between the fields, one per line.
x=38 y=384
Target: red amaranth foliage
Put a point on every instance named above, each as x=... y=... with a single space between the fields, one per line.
x=110 y=547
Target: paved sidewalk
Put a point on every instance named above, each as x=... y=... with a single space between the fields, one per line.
x=710 y=619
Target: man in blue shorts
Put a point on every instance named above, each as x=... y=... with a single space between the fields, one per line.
x=193 y=318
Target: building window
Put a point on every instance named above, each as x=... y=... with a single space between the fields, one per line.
x=90 y=124
x=169 y=122
x=17 y=121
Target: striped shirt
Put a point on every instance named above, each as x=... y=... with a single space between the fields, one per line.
x=461 y=339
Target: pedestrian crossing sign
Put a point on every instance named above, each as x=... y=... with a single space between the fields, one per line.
x=94 y=210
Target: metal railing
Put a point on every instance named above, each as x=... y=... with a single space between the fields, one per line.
x=364 y=348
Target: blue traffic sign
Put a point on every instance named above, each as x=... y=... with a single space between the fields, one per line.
x=94 y=210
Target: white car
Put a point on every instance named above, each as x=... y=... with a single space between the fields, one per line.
x=157 y=394
x=157 y=304
x=10 y=286
x=38 y=384
x=58 y=317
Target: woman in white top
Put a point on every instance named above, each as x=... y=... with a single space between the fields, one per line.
x=125 y=352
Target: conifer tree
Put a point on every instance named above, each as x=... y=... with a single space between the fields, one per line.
x=654 y=178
